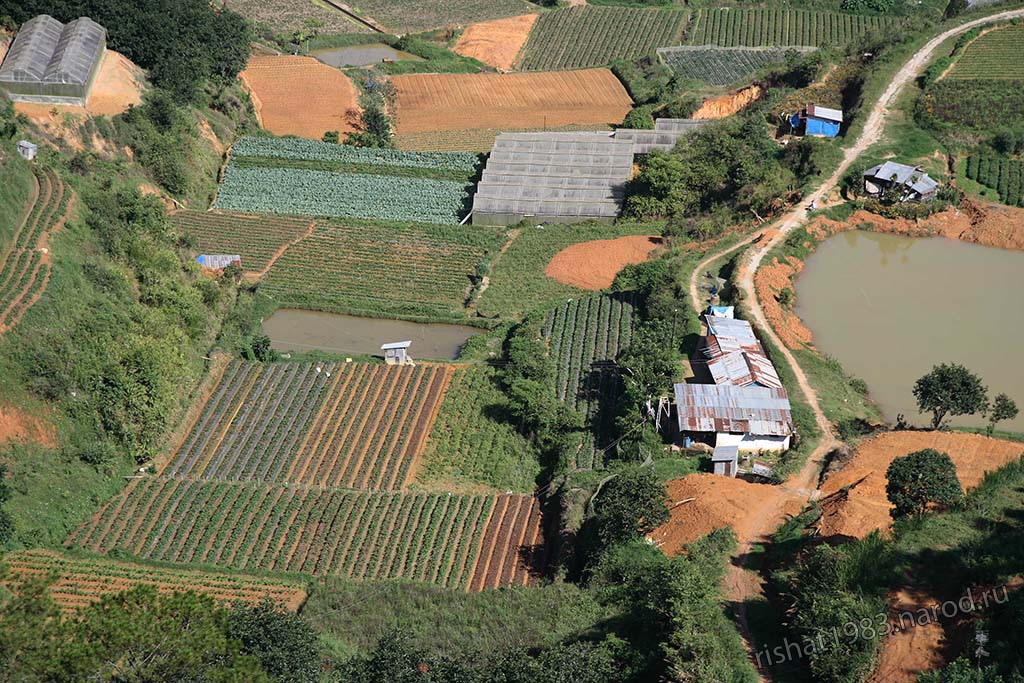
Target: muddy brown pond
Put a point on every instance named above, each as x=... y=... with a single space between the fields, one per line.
x=891 y=307
x=296 y=330
x=361 y=55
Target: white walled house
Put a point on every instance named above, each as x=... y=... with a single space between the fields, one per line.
x=751 y=418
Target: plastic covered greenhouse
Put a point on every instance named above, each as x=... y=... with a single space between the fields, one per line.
x=553 y=178
x=52 y=62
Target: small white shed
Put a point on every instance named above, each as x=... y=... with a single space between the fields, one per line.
x=27 y=149
x=726 y=460
x=396 y=353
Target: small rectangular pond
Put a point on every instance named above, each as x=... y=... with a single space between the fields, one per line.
x=296 y=330
x=361 y=55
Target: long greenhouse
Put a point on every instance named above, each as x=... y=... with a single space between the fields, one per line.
x=52 y=62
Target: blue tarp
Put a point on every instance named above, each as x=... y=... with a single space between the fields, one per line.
x=816 y=126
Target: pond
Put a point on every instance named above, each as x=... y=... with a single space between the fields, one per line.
x=891 y=307
x=360 y=55
x=296 y=330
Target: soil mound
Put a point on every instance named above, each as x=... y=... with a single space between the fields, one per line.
x=594 y=265
x=496 y=42
x=864 y=507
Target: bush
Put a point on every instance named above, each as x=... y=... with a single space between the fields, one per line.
x=921 y=479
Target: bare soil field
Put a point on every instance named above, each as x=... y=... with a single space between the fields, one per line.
x=18 y=426
x=727 y=105
x=496 y=42
x=865 y=508
x=300 y=95
x=430 y=102
x=594 y=265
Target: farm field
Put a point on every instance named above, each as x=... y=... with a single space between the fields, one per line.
x=720 y=66
x=577 y=37
x=416 y=269
x=25 y=272
x=353 y=425
x=412 y=16
x=286 y=16
x=497 y=42
x=459 y=541
x=995 y=55
x=440 y=102
x=477 y=139
x=256 y=238
x=84 y=580
x=474 y=440
x=1005 y=176
x=981 y=105
x=732 y=27
x=300 y=96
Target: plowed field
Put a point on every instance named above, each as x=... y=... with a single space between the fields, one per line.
x=594 y=265
x=81 y=581
x=511 y=548
x=300 y=96
x=427 y=102
x=496 y=42
x=865 y=506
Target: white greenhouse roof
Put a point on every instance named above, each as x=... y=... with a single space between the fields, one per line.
x=47 y=51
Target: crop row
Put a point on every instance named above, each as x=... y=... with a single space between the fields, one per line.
x=733 y=27
x=357 y=425
x=352 y=195
x=578 y=37
x=433 y=537
x=394 y=269
x=512 y=551
x=255 y=238
x=80 y=581
x=474 y=439
x=25 y=272
x=314 y=150
x=1005 y=176
x=980 y=105
x=720 y=65
x=995 y=55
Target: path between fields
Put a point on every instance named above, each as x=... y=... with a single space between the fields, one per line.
x=742 y=586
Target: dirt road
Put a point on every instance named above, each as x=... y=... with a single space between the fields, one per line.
x=741 y=585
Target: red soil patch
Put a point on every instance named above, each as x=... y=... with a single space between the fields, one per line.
x=865 y=508
x=719 y=502
x=727 y=105
x=512 y=535
x=908 y=652
x=496 y=42
x=594 y=265
x=16 y=425
x=769 y=280
x=300 y=96
x=437 y=102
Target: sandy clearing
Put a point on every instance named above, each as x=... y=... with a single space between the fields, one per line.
x=496 y=42
x=866 y=508
x=300 y=95
x=18 y=426
x=727 y=105
x=594 y=265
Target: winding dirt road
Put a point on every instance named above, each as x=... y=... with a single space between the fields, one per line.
x=742 y=585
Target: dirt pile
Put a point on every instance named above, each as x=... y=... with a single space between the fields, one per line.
x=496 y=42
x=594 y=265
x=770 y=280
x=727 y=105
x=907 y=652
x=864 y=507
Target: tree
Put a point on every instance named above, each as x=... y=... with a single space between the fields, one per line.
x=331 y=136
x=630 y=505
x=950 y=390
x=6 y=523
x=285 y=645
x=1003 y=408
x=920 y=479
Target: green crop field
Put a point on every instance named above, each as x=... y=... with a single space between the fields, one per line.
x=411 y=16
x=1005 y=176
x=413 y=269
x=256 y=238
x=720 y=65
x=996 y=55
x=734 y=27
x=579 y=37
x=475 y=441
x=285 y=16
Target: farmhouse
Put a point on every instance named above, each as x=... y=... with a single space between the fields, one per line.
x=751 y=418
x=735 y=356
x=815 y=120
x=53 y=63
x=910 y=183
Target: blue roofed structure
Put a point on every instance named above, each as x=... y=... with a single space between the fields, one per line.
x=819 y=121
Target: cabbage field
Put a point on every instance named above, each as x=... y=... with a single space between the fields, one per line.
x=314 y=150
x=721 y=65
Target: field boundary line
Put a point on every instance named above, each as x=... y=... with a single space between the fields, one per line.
x=281 y=251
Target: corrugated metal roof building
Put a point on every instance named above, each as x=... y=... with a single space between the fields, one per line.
x=735 y=356
x=914 y=184
x=751 y=418
x=53 y=63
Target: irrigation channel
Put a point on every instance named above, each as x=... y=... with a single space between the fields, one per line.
x=296 y=330
x=877 y=301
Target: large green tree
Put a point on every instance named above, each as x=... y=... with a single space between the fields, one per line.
x=920 y=479
x=630 y=505
x=950 y=390
x=285 y=645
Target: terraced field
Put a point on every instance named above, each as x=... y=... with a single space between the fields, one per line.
x=720 y=65
x=735 y=27
x=578 y=37
x=354 y=425
x=435 y=537
x=256 y=238
x=83 y=580
x=25 y=272
x=996 y=55
x=416 y=269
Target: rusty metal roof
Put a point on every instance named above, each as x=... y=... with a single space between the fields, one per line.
x=743 y=368
x=753 y=410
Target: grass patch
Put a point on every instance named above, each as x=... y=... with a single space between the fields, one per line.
x=842 y=397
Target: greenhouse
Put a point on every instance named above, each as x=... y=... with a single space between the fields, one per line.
x=663 y=137
x=553 y=178
x=52 y=62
